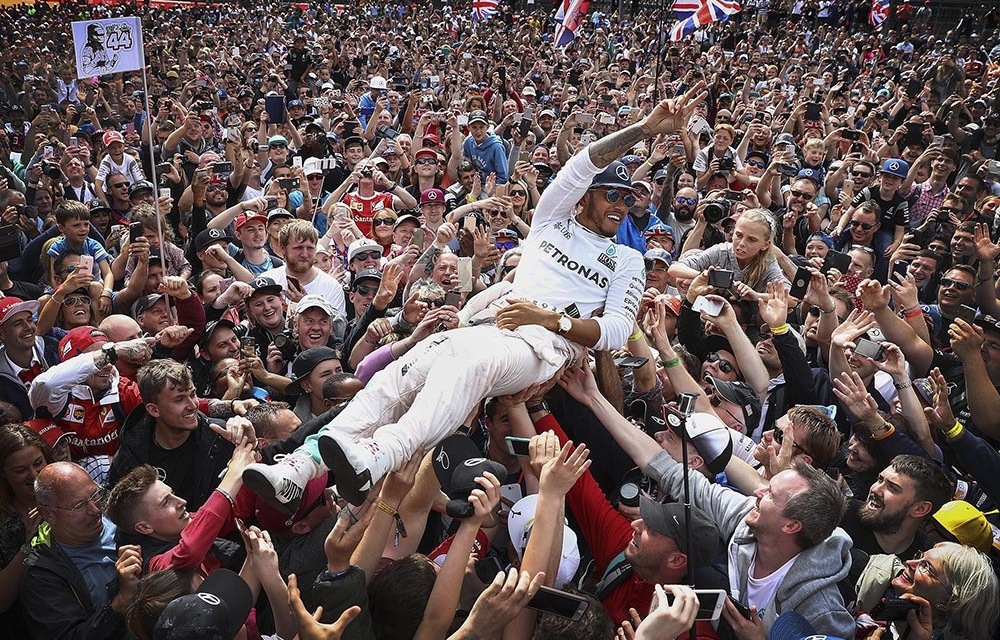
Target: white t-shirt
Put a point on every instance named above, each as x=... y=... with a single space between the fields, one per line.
x=322 y=285
x=129 y=168
x=761 y=591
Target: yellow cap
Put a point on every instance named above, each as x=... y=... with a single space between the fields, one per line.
x=966 y=523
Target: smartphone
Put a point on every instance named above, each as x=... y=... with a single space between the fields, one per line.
x=710 y=307
x=742 y=608
x=559 y=603
x=74 y=141
x=710 y=603
x=925 y=390
x=851 y=134
x=869 y=349
x=735 y=196
x=584 y=118
x=721 y=278
x=386 y=132
x=86 y=264
x=249 y=344
x=818 y=82
x=890 y=609
x=272 y=202
x=813 y=111
x=967 y=313
x=469 y=223
x=913 y=87
x=631 y=362
x=222 y=168
x=800 y=283
x=463 y=120
x=275 y=108
x=517 y=447
x=453 y=299
x=836 y=260
x=465 y=275
x=297 y=161
x=787 y=170
x=289 y=184
x=134 y=231
x=418 y=238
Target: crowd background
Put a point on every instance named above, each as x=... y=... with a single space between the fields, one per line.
x=330 y=185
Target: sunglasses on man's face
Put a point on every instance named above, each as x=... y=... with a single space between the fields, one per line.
x=687 y=201
x=614 y=195
x=864 y=225
x=957 y=284
x=861 y=174
x=724 y=365
x=365 y=290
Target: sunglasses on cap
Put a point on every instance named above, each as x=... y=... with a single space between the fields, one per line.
x=724 y=365
x=614 y=195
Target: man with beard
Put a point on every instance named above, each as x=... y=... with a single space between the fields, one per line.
x=681 y=216
x=906 y=493
x=299 y=276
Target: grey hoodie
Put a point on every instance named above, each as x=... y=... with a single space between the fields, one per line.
x=809 y=587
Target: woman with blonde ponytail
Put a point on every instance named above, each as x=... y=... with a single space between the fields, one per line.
x=750 y=256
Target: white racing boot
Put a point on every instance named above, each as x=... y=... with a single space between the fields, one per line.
x=356 y=465
x=282 y=484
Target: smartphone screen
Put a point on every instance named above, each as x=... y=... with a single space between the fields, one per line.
x=86 y=264
x=559 y=603
x=517 y=446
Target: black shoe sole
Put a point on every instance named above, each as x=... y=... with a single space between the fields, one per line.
x=260 y=485
x=348 y=480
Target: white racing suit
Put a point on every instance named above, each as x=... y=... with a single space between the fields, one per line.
x=420 y=399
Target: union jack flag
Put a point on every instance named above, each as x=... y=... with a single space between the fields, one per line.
x=568 y=20
x=484 y=9
x=880 y=11
x=692 y=14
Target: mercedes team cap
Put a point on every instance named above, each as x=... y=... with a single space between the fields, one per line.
x=210 y=236
x=262 y=284
x=616 y=175
x=478 y=116
x=217 y=610
x=896 y=167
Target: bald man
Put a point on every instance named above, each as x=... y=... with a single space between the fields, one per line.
x=72 y=564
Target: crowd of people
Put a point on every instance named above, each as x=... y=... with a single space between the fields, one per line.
x=381 y=321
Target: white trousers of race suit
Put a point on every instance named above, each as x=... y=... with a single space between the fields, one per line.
x=423 y=397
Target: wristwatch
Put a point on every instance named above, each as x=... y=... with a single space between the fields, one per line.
x=565 y=325
x=109 y=352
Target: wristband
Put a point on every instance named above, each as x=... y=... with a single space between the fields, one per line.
x=913 y=312
x=670 y=364
x=827 y=311
x=781 y=330
x=537 y=408
x=902 y=385
x=635 y=336
x=954 y=432
x=229 y=498
x=386 y=507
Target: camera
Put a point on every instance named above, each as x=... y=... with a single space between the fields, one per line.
x=51 y=170
x=286 y=345
x=726 y=164
x=367 y=172
x=715 y=211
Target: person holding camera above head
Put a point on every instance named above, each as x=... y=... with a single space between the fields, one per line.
x=749 y=256
x=366 y=201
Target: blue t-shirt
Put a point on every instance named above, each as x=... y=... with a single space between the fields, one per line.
x=96 y=563
x=91 y=247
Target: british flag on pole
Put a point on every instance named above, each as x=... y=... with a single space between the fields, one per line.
x=568 y=19
x=692 y=14
x=484 y=9
x=880 y=11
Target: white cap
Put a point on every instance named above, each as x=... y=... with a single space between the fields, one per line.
x=519 y=522
x=377 y=82
x=313 y=301
x=311 y=167
x=359 y=245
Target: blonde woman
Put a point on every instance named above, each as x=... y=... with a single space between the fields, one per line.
x=750 y=256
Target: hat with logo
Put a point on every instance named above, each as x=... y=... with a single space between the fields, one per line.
x=11 y=306
x=252 y=216
x=314 y=301
x=784 y=139
x=292 y=104
x=431 y=196
x=642 y=184
x=615 y=175
x=669 y=520
x=740 y=394
x=709 y=436
x=273 y=140
x=96 y=204
x=79 y=340
x=144 y=303
x=263 y=284
x=210 y=236
x=659 y=229
x=173 y=74
x=810 y=174
x=377 y=82
x=366 y=275
x=304 y=364
x=216 y=612
x=362 y=245
x=406 y=217
x=528 y=90
x=630 y=159
x=141 y=185
x=896 y=167
x=278 y=212
x=967 y=523
x=520 y=522
x=457 y=463
x=659 y=254
x=792 y=626
x=660 y=174
x=212 y=327
x=478 y=116
x=431 y=141
x=425 y=152
x=311 y=167
x=111 y=137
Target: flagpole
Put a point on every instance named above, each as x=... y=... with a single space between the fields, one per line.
x=658 y=53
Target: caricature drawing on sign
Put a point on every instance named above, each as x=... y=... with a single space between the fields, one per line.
x=96 y=58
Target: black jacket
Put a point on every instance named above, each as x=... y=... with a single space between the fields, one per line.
x=55 y=599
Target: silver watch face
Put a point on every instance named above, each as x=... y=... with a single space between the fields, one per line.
x=565 y=324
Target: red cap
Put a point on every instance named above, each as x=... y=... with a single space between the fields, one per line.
x=9 y=306
x=432 y=196
x=244 y=218
x=47 y=429
x=431 y=139
x=79 y=340
x=429 y=152
x=111 y=137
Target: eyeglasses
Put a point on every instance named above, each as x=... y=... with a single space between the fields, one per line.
x=368 y=255
x=518 y=194
x=802 y=194
x=316 y=176
x=366 y=290
x=864 y=225
x=724 y=365
x=614 y=195
x=924 y=567
x=779 y=437
x=426 y=161
x=75 y=301
x=383 y=222
x=958 y=284
x=120 y=185
x=97 y=499
x=683 y=200
x=755 y=163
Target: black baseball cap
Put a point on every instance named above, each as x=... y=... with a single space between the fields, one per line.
x=217 y=610
x=212 y=327
x=304 y=364
x=263 y=284
x=668 y=519
x=210 y=236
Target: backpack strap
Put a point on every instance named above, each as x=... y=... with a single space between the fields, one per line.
x=619 y=569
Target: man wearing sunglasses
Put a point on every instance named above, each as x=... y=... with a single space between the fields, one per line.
x=570 y=269
x=681 y=213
